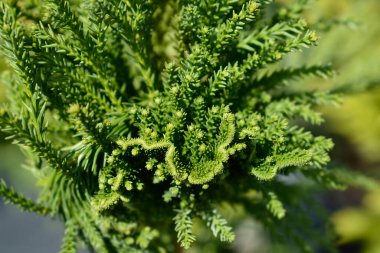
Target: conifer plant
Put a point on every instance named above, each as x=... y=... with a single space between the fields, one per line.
x=139 y=117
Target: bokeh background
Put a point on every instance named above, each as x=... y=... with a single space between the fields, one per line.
x=352 y=45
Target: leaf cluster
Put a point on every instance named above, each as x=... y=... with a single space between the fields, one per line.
x=135 y=136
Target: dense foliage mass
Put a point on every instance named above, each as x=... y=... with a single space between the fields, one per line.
x=139 y=117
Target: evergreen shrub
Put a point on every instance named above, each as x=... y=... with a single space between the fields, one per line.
x=140 y=117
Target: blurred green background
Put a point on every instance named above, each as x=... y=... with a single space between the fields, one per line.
x=353 y=47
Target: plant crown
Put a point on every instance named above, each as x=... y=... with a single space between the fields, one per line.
x=138 y=117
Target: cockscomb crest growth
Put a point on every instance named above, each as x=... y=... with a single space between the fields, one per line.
x=146 y=115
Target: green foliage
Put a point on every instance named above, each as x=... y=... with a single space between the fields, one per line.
x=183 y=226
x=12 y=196
x=69 y=241
x=356 y=22
x=135 y=136
x=218 y=226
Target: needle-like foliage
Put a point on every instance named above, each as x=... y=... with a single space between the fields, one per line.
x=145 y=115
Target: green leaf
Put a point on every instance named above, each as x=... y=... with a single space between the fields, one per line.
x=269 y=168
